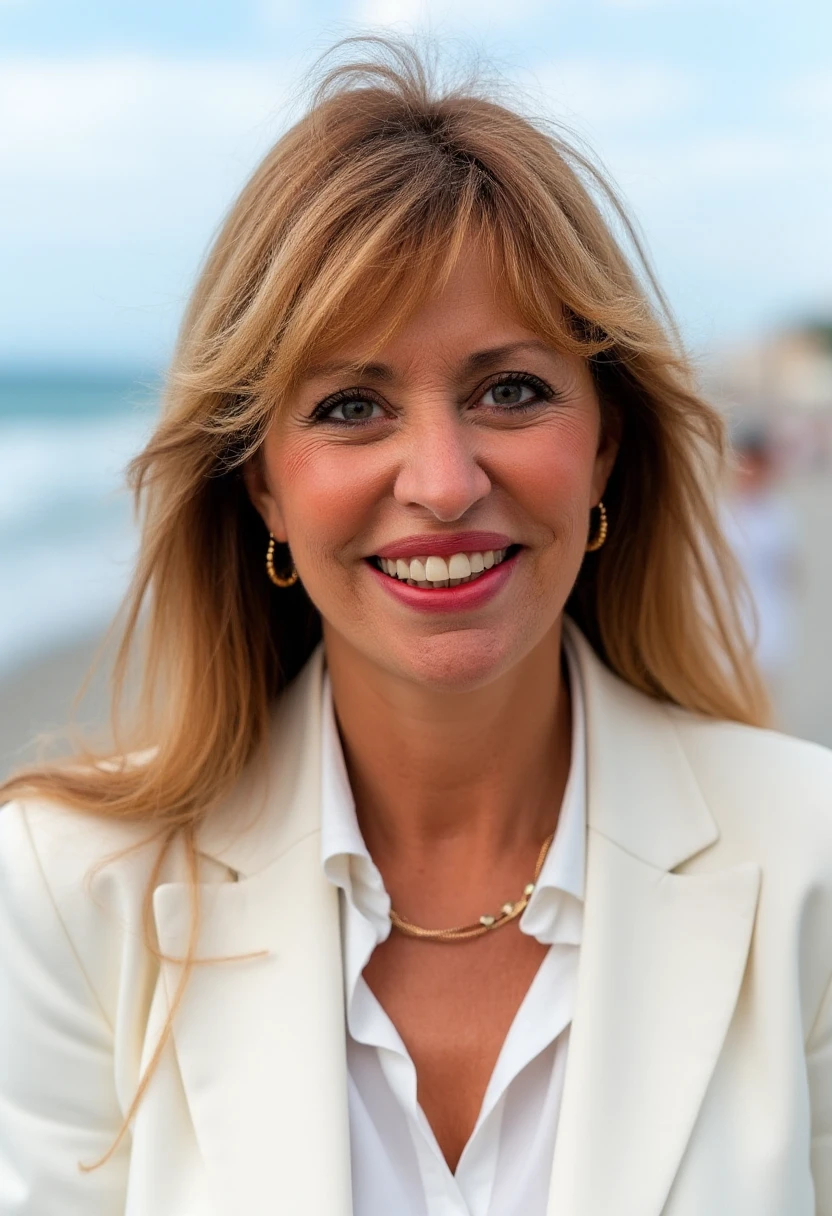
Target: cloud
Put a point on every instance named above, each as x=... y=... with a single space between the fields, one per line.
x=282 y=14
x=613 y=92
x=810 y=96
x=491 y=12
x=420 y=12
x=724 y=161
x=738 y=158
x=639 y=5
x=116 y=172
x=82 y=118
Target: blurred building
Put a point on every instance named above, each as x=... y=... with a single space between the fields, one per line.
x=782 y=382
x=777 y=389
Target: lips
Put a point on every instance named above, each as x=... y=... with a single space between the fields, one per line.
x=444 y=545
x=451 y=595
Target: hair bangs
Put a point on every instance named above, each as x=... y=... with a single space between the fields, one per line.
x=370 y=282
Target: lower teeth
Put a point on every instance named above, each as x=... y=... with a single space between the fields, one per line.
x=453 y=582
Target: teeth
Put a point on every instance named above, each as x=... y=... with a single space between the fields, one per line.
x=433 y=571
x=436 y=570
x=459 y=566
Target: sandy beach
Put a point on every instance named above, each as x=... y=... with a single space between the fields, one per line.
x=36 y=698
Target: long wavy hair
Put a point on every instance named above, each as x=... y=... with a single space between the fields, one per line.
x=358 y=212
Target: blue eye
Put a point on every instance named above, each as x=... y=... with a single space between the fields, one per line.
x=345 y=408
x=516 y=392
x=511 y=392
x=358 y=410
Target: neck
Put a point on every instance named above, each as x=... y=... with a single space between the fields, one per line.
x=431 y=767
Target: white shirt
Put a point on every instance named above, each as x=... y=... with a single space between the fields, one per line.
x=505 y=1168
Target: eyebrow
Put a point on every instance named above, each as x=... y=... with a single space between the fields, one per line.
x=385 y=374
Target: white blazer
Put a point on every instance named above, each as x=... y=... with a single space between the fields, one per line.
x=699 y=1080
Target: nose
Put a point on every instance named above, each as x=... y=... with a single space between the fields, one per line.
x=440 y=471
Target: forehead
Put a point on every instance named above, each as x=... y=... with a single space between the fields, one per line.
x=466 y=318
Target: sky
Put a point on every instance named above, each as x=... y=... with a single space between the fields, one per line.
x=126 y=129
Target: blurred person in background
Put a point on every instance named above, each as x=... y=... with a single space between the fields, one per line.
x=448 y=868
x=763 y=532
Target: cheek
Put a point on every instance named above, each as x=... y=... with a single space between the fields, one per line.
x=550 y=472
x=326 y=494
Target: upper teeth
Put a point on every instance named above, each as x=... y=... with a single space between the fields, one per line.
x=437 y=572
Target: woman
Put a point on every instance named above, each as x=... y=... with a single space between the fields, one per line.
x=475 y=907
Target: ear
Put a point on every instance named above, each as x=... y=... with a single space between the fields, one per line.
x=609 y=441
x=263 y=498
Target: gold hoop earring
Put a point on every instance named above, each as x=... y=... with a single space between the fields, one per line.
x=288 y=580
x=601 y=535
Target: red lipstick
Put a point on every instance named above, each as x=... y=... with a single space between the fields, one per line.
x=465 y=597
x=443 y=544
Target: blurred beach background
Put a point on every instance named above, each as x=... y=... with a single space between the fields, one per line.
x=126 y=130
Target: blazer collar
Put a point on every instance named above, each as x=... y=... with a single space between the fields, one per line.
x=642 y=792
x=276 y=803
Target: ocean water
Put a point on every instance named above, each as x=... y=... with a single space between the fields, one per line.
x=67 y=536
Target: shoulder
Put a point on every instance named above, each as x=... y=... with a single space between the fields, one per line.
x=72 y=849
x=71 y=894
x=67 y=847
x=756 y=784
x=761 y=769
x=771 y=798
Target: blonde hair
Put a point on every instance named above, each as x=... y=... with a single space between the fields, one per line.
x=358 y=212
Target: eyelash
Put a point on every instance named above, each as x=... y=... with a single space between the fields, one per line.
x=323 y=409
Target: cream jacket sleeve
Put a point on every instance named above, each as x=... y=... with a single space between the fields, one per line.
x=58 y=1102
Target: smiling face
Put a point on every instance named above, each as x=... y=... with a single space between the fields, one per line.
x=437 y=501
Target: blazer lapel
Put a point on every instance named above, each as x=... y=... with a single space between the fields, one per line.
x=662 y=960
x=260 y=1042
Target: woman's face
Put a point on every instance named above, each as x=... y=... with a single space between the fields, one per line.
x=467 y=450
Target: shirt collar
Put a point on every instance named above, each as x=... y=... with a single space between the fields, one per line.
x=346 y=860
x=348 y=865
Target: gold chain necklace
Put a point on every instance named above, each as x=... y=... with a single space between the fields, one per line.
x=508 y=912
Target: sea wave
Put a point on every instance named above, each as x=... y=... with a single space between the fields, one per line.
x=67 y=538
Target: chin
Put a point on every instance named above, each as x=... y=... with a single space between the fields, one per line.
x=458 y=660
